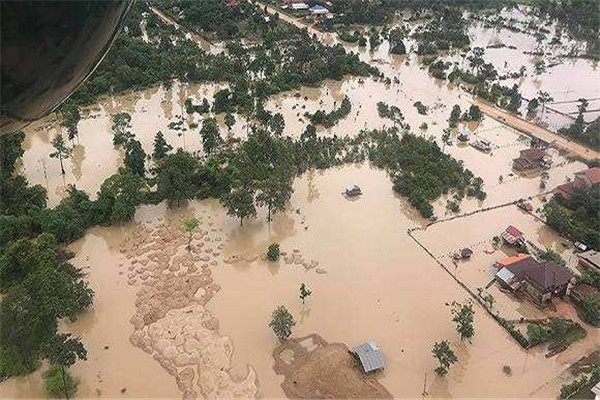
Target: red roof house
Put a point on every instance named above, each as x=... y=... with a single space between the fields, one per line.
x=512 y=236
x=540 y=280
x=584 y=180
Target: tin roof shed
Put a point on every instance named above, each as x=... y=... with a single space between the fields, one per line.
x=370 y=356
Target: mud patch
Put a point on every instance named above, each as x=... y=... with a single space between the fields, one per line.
x=315 y=369
x=171 y=322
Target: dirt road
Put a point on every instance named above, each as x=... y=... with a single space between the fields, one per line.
x=531 y=129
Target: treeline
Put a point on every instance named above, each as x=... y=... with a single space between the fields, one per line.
x=361 y=12
x=580 y=17
x=328 y=120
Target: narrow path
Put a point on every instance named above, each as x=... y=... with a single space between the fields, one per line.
x=203 y=43
x=534 y=130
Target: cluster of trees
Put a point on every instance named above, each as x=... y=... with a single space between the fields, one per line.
x=351 y=37
x=202 y=108
x=420 y=170
x=392 y=113
x=446 y=31
x=395 y=37
x=221 y=19
x=282 y=321
x=328 y=120
x=577 y=219
x=472 y=114
x=463 y=316
x=579 y=17
x=421 y=108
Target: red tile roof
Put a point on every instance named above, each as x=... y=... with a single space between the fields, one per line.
x=511 y=230
x=593 y=174
x=546 y=275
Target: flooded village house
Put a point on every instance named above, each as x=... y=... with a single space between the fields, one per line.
x=584 y=180
x=513 y=236
x=529 y=159
x=541 y=281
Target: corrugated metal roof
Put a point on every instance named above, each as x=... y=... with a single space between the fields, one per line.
x=506 y=276
x=370 y=356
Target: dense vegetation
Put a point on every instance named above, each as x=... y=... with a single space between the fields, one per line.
x=328 y=120
x=38 y=284
x=421 y=171
x=285 y=58
x=577 y=219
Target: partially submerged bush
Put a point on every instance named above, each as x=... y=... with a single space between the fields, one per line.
x=273 y=252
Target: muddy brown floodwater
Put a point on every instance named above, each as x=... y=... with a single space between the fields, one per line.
x=169 y=323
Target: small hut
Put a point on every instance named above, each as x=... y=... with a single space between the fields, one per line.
x=370 y=356
x=466 y=253
x=353 y=191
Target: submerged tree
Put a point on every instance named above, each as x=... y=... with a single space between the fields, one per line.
x=274 y=193
x=445 y=139
x=445 y=356
x=282 y=322
x=240 y=202
x=176 y=177
x=161 y=147
x=211 y=139
x=190 y=226
x=120 y=128
x=304 y=292
x=454 y=116
x=229 y=121
x=463 y=317
x=71 y=118
x=63 y=351
x=273 y=252
x=135 y=157
x=61 y=151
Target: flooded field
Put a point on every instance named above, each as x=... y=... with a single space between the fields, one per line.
x=167 y=322
x=368 y=279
